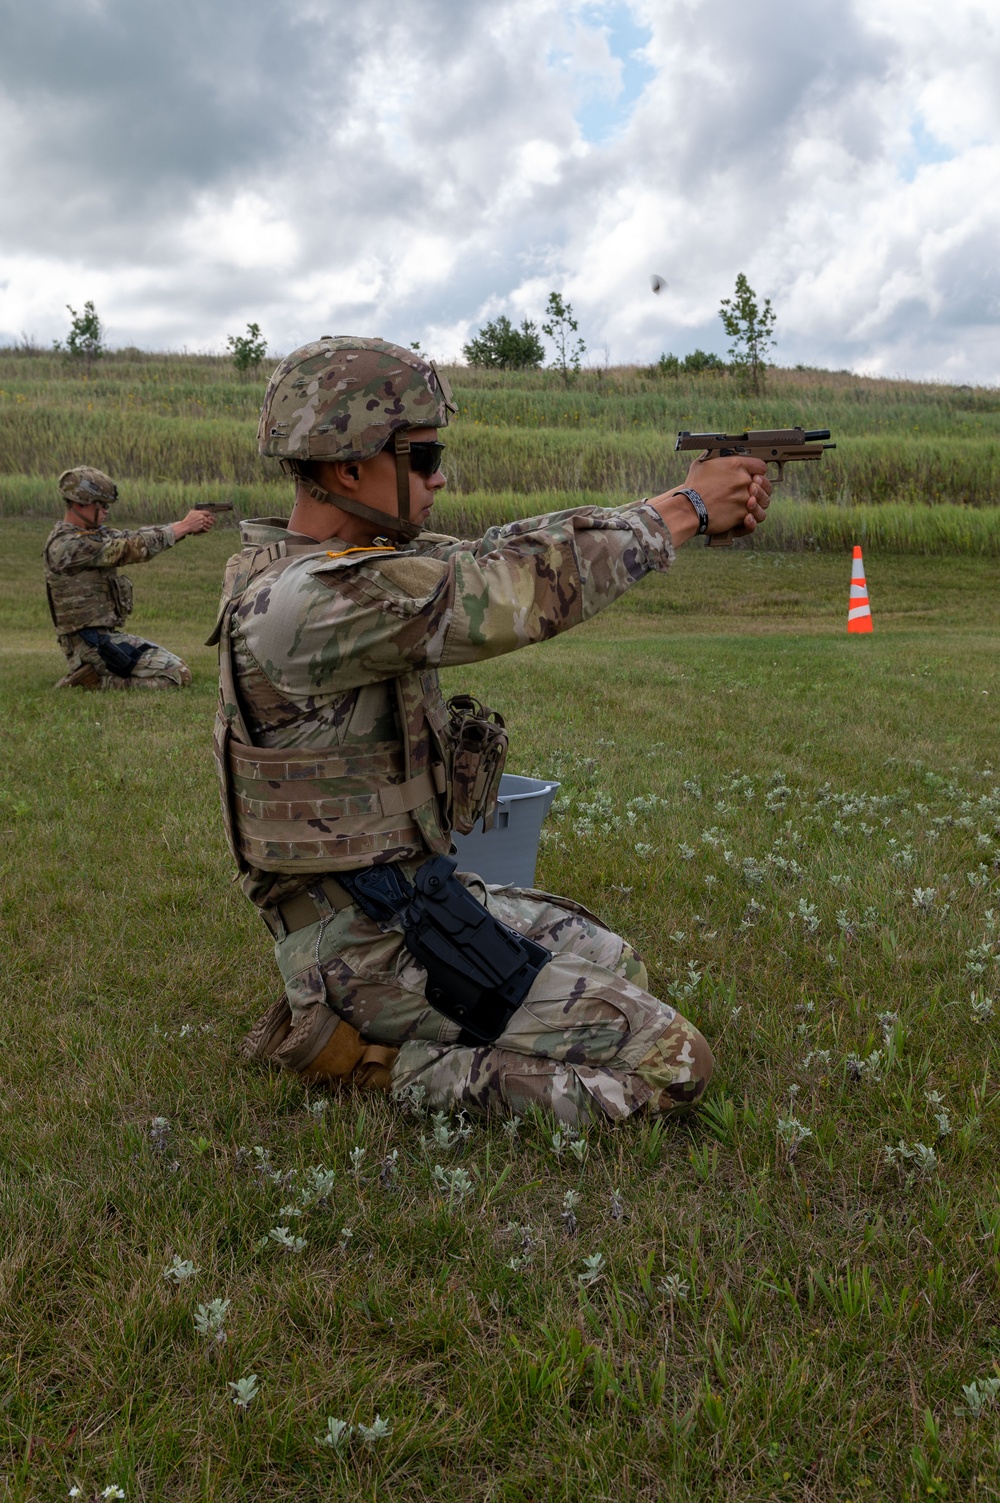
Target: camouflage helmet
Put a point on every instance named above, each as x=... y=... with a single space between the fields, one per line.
x=85 y=485
x=345 y=398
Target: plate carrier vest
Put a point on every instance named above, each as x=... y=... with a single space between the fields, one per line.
x=311 y=810
x=87 y=597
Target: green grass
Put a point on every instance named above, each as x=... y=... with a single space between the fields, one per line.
x=161 y=423
x=834 y=1303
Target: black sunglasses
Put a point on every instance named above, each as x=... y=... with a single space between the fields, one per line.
x=425 y=458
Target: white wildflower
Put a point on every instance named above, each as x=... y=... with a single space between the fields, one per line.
x=793 y=1134
x=457 y=1182
x=245 y=1390
x=981 y=1394
x=378 y=1430
x=283 y=1238
x=338 y=1433
x=209 y=1319
x=180 y=1270
x=593 y=1269
x=674 y=1287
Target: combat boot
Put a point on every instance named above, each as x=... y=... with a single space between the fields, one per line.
x=84 y=677
x=342 y=1058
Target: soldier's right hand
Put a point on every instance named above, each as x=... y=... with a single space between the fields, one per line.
x=734 y=488
x=195 y=521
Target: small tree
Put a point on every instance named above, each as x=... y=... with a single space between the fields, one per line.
x=749 y=327
x=248 y=349
x=85 y=338
x=694 y=364
x=561 y=329
x=503 y=347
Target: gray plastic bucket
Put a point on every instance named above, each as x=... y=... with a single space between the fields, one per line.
x=507 y=853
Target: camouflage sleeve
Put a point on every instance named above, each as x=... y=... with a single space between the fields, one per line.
x=537 y=577
x=106 y=548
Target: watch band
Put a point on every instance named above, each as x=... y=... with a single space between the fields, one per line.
x=699 y=507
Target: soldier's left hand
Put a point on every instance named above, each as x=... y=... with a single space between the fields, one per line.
x=760 y=499
x=195 y=521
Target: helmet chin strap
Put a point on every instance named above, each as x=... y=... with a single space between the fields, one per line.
x=399 y=526
x=90 y=525
x=401 y=444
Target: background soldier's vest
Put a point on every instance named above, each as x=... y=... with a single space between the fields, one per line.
x=87 y=597
x=309 y=810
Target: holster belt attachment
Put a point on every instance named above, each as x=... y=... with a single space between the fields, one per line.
x=119 y=658
x=303 y=909
x=478 y=970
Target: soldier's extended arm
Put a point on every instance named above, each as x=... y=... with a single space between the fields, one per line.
x=106 y=548
x=779 y=446
x=362 y=618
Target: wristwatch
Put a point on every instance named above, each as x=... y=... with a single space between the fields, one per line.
x=699 y=507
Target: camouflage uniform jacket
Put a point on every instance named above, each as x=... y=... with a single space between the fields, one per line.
x=318 y=647
x=81 y=572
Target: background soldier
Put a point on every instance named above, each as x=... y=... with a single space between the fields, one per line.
x=341 y=764
x=90 y=600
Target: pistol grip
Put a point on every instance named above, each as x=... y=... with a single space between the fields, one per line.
x=723 y=539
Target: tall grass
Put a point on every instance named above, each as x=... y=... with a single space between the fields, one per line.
x=161 y=424
x=793 y=524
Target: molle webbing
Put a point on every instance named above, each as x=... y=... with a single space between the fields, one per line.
x=87 y=597
x=308 y=811
x=311 y=810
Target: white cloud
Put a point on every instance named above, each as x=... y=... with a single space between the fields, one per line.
x=192 y=170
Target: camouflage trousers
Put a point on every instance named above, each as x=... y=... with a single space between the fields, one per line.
x=589 y=1041
x=156 y=669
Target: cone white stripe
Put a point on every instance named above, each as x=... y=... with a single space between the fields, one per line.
x=858 y=610
x=859 y=592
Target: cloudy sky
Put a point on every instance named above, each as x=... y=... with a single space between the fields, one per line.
x=329 y=167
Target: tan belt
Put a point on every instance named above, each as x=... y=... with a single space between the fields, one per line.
x=303 y=909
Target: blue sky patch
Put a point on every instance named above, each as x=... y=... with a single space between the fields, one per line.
x=922 y=150
x=599 y=115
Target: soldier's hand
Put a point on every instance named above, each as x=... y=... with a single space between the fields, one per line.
x=195 y=521
x=735 y=490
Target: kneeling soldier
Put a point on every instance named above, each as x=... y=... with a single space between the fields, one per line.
x=344 y=771
x=90 y=600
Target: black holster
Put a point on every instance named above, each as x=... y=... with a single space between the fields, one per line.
x=119 y=658
x=478 y=970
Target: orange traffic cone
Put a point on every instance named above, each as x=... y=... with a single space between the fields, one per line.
x=859 y=612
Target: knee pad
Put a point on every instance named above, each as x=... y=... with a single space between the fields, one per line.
x=678 y=1067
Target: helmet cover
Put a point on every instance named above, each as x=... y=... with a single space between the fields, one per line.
x=85 y=485
x=342 y=398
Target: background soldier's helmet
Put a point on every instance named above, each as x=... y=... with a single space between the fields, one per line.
x=85 y=486
x=343 y=398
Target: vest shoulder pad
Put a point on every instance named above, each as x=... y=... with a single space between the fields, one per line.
x=405 y=573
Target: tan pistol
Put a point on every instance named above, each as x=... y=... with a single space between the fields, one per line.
x=778 y=446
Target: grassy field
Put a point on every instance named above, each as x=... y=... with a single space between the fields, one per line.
x=795 y=1296
x=173 y=427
